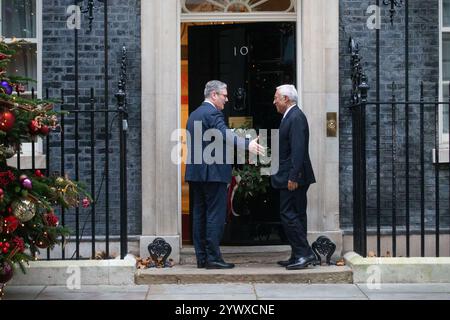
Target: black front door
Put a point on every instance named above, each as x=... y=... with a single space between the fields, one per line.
x=252 y=59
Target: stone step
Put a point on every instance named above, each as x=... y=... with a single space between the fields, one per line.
x=242 y=255
x=244 y=273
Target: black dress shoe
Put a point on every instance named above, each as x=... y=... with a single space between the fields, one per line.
x=201 y=264
x=219 y=265
x=285 y=263
x=303 y=262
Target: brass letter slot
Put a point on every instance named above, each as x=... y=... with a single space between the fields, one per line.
x=331 y=124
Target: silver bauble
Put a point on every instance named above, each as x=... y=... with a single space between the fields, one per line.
x=23 y=209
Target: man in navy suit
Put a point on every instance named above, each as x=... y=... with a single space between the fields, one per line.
x=294 y=176
x=208 y=173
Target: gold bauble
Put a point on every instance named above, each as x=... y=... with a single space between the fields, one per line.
x=60 y=182
x=23 y=209
x=8 y=152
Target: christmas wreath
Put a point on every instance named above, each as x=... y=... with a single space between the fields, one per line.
x=247 y=182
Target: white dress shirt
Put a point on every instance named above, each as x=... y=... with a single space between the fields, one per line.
x=287 y=111
x=207 y=101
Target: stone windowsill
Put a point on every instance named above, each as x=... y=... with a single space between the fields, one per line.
x=26 y=161
x=443 y=154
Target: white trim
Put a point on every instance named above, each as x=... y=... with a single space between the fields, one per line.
x=179 y=178
x=443 y=137
x=238 y=17
x=25 y=159
x=443 y=155
x=299 y=47
x=39 y=36
x=36 y=40
x=30 y=40
x=1 y=18
x=229 y=3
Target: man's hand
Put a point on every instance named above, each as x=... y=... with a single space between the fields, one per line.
x=292 y=186
x=255 y=148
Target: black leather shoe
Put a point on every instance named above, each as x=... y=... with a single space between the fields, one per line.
x=219 y=265
x=303 y=262
x=285 y=263
x=201 y=264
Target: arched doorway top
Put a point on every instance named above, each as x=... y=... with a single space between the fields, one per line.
x=237 y=6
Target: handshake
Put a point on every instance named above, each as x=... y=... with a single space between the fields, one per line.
x=255 y=148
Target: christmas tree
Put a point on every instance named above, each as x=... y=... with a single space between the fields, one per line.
x=27 y=219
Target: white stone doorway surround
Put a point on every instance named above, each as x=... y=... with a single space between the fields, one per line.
x=317 y=71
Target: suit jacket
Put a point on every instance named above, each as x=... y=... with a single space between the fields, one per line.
x=294 y=161
x=210 y=118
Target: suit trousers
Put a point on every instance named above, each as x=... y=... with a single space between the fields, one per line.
x=294 y=220
x=209 y=214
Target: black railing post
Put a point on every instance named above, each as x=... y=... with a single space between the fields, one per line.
x=123 y=128
x=62 y=167
x=92 y=142
x=33 y=142
x=437 y=160
x=359 y=94
x=47 y=159
x=422 y=171
x=77 y=93
x=378 y=137
x=394 y=176
x=356 y=190
x=361 y=172
x=407 y=162
x=106 y=84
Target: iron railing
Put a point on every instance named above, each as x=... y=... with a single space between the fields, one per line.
x=405 y=140
x=99 y=122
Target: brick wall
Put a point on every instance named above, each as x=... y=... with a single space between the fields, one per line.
x=423 y=66
x=59 y=73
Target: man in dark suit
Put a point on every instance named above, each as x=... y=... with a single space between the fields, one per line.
x=208 y=173
x=294 y=176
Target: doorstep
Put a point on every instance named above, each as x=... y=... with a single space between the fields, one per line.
x=243 y=273
x=242 y=254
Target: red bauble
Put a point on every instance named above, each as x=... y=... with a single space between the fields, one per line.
x=44 y=130
x=10 y=224
x=86 y=203
x=19 y=244
x=4 y=247
x=51 y=219
x=6 y=272
x=7 y=120
x=4 y=56
x=20 y=88
x=38 y=173
x=34 y=126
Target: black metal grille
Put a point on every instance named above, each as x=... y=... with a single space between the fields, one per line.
x=400 y=188
x=407 y=161
x=90 y=116
x=100 y=123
